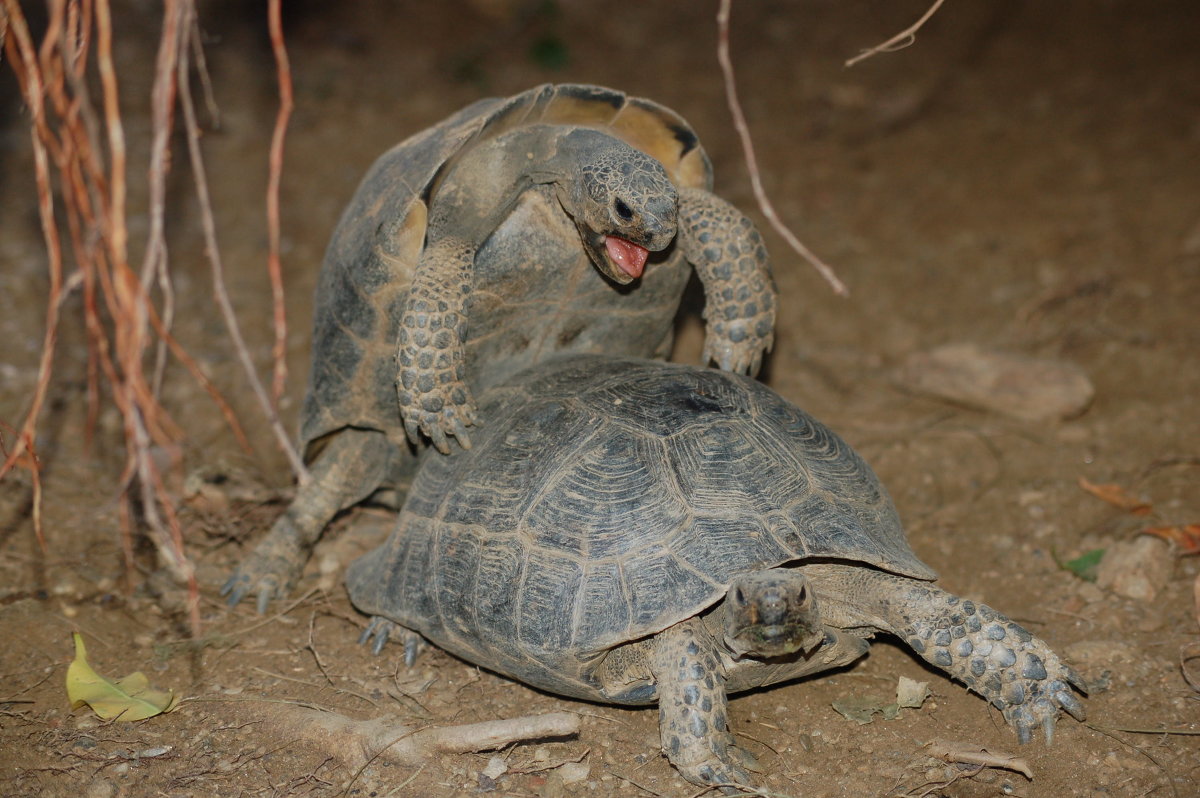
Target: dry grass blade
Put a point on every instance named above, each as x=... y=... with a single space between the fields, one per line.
x=743 y=130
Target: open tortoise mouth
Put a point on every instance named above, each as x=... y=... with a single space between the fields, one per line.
x=618 y=259
x=629 y=258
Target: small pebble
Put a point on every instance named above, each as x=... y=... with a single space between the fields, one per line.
x=574 y=772
x=1137 y=569
x=496 y=767
x=1028 y=388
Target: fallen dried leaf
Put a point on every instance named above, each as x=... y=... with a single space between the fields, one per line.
x=862 y=709
x=1117 y=496
x=130 y=698
x=910 y=693
x=1185 y=536
x=977 y=755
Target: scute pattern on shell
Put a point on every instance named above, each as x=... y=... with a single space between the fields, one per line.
x=659 y=505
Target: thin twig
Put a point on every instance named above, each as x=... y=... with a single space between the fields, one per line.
x=901 y=40
x=743 y=130
x=274 y=269
x=218 y=270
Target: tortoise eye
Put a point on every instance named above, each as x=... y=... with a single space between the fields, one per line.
x=623 y=210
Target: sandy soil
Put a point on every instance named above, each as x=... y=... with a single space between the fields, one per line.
x=1026 y=177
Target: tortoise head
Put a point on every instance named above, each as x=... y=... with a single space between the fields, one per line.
x=772 y=613
x=621 y=199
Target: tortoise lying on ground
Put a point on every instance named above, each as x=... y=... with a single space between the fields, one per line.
x=636 y=532
x=515 y=229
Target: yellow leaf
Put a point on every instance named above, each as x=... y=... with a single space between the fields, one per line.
x=130 y=698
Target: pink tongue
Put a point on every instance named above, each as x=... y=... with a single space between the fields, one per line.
x=628 y=256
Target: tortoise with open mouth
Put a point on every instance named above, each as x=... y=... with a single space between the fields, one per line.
x=640 y=532
x=567 y=218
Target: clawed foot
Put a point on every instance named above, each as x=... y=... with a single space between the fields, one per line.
x=436 y=411
x=270 y=572
x=735 y=349
x=383 y=630
x=728 y=766
x=1033 y=701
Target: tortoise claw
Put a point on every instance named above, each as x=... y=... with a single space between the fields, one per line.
x=383 y=630
x=413 y=644
x=380 y=629
x=1077 y=682
x=1070 y=703
x=460 y=432
x=439 y=440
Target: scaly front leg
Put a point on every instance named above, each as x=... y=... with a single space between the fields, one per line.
x=990 y=653
x=431 y=385
x=739 y=294
x=692 y=716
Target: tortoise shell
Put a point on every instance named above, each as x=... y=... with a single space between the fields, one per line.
x=607 y=499
x=534 y=293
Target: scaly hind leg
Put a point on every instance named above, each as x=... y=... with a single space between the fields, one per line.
x=349 y=469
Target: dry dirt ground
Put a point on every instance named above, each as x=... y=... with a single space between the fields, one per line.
x=1027 y=177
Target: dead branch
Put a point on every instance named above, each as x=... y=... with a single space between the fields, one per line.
x=901 y=40
x=743 y=130
x=357 y=743
x=966 y=753
x=79 y=143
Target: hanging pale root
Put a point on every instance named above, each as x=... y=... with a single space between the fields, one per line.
x=81 y=143
x=274 y=268
x=358 y=743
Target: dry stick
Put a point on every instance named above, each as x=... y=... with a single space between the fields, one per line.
x=743 y=130
x=901 y=40
x=218 y=271
x=276 y=163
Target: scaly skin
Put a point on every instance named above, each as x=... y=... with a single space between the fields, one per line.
x=739 y=294
x=431 y=386
x=692 y=708
x=988 y=652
